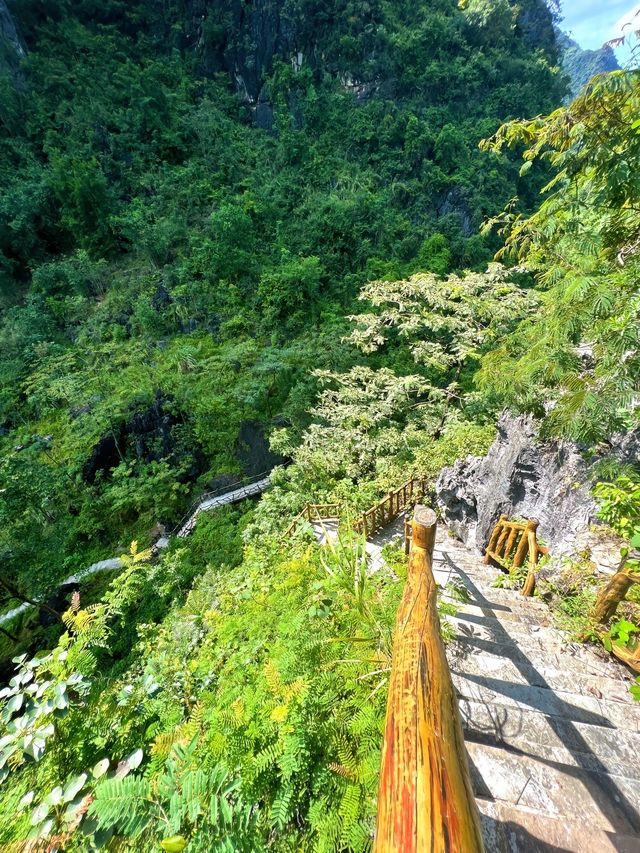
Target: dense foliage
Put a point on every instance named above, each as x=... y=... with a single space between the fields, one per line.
x=580 y=356
x=170 y=271
x=195 y=199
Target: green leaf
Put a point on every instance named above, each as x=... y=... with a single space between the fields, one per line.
x=14 y=704
x=56 y=796
x=74 y=786
x=40 y=813
x=134 y=760
x=26 y=800
x=174 y=844
x=71 y=812
x=100 y=768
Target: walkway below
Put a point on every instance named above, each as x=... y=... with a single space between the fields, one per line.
x=239 y=494
x=114 y=563
x=393 y=534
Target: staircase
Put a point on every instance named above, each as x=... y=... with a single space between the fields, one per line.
x=552 y=733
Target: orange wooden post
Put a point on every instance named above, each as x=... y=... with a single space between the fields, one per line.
x=494 y=537
x=425 y=800
x=511 y=541
x=530 y=584
x=523 y=547
x=506 y=529
x=613 y=593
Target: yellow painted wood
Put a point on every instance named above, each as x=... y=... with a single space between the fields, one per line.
x=425 y=802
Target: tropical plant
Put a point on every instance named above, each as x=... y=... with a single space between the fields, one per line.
x=579 y=353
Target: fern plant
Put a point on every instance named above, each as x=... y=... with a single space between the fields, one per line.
x=184 y=806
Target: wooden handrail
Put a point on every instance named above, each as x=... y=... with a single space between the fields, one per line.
x=517 y=539
x=312 y=512
x=377 y=517
x=425 y=801
x=372 y=520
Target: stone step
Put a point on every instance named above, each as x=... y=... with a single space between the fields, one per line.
x=586 y=680
x=570 y=706
x=533 y=654
x=597 y=800
x=512 y=612
x=482 y=595
x=524 y=642
x=552 y=738
x=515 y=829
x=486 y=629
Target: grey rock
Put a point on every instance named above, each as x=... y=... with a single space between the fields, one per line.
x=454 y=203
x=12 y=47
x=520 y=477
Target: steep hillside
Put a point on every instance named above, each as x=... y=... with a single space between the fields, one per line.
x=581 y=65
x=332 y=236
x=192 y=194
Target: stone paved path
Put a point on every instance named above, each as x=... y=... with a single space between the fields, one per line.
x=232 y=497
x=553 y=735
x=394 y=533
x=552 y=732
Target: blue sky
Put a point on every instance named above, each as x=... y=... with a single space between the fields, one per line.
x=592 y=22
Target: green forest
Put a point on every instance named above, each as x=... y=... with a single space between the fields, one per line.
x=333 y=239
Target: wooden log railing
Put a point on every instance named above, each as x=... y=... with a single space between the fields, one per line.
x=313 y=512
x=425 y=800
x=510 y=543
x=612 y=594
x=373 y=520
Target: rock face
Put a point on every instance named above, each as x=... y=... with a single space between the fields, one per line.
x=581 y=65
x=253 y=449
x=12 y=48
x=520 y=477
x=154 y=433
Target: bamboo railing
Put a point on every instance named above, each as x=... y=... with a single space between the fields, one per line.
x=517 y=539
x=612 y=594
x=373 y=520
x=425 y=800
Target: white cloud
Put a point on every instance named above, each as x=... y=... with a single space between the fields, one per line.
x=628 y=23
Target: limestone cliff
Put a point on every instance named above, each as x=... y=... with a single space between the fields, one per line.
x=12 y=47
x=522 y=476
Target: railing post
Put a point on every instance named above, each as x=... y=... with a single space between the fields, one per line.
x=529 y=536
x=613 y=593
x=523 y=547
x=425 y=800
x=494 y=538
x=506 y=529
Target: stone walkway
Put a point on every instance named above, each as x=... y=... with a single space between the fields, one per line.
x=553 y=735
x=393 y=534
x=114 y=563
x=248 y=491
x=552 y=732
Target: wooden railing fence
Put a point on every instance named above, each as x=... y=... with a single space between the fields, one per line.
x=372 y=520
x=313 y=512
x=425 y=800
x=510 y=543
